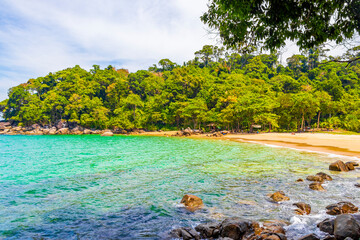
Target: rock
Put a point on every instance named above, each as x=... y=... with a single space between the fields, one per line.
x=315 y=178
x=235 y=228
x=311 y=236
x=303 y=208
x=192 y=202
x=350 y=166
x=107 y=134
x=35 y=126
x=273 y=236
x=61 y=124
x=316 y=186
x=273 y=227
x=357 y=185
x=346 y=226
x=355 y=164
x=208 y=230
x=63 y=131
x=299 y=180
x=52 y=131
x=87 y=131
x=279 y=197
x=338 y=166
x=3 y=125
x=327 y=226
x=46 y=131
x=341 y=208
x=324 y=176
x=185 y=233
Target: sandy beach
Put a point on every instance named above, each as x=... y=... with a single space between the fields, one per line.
x=346 y=145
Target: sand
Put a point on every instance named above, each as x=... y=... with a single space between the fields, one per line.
x=346 y=145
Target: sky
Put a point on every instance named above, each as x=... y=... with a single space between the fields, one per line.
x=42 y=36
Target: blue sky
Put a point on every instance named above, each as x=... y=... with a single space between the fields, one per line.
x=42 y=36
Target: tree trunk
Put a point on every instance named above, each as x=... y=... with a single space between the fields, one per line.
x=318 y=122
x=269 y=127
x=302 y=122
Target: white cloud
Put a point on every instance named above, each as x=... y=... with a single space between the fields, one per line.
x=41 y=36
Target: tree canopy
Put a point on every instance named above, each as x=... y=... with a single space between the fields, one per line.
x=217 y=88
x=268 y=23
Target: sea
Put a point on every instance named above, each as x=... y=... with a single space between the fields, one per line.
x=130 y=187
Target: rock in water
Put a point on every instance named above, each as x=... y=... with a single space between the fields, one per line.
x=107 y=134
x=192 y=202
x=327 y=226
x=279 y=197
x=341 y=208
x=346 y=226
x=208 y=230
x=316 y=186
x=310 y=237
x=350 y=166
x=315 y=178
x=185 y=233
x=338 y=166
x=303 y=208
x=235 y=228
x=324 y=176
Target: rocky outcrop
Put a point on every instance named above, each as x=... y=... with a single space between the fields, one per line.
x=185 y=234
x=303 y=208
x=63 y=131
x=107 y=134
x=346 y=226
x=279 y=197
x=327 y=226
x=316 y=186
x=341 y=208
x=235 y=228
x=208 y=230
x=338 y=166
x=311 y=236
x=192 y=202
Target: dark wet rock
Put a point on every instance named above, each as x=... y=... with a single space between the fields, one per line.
x=324 y=176
x=279 y=197
x=329 y=238
x=350 y=166
x=192 y=202
x=235 y=228
x=299 y=180
x=345 y=226
x=315 y=178
x=316 y=186
x=355 y=164
x=357 y=185
x=273 y=236
x=303 y=208
x=208 y=230
x=341 y=208
x=311 y=236
x=185 y=233
x=338 y=166
x=327 y=226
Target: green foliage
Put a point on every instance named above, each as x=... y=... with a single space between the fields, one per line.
x=270 y=23
x=218 y=89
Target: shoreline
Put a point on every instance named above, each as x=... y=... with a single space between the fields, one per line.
x=324 y=143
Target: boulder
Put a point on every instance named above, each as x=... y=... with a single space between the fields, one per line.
x=311 y=236
x=46 y=131
x=315 y=178
x=346 y=226
x=61 y=124
x=303 y=208
x=185 y=233
x=279 y=197
x=192 y=202
x=341 y=208
x=235 y=228
x=63 y=131
x=357 y=185
x=338 y=166
x=355 y=164
x=107 y=134
x=208 y=230
x=273 y=227
x=350 y=166
x=52 y=131
x=316 y=186
x=3 y=125
x=87 y=131
x=327 y=226
x=273 y=236
x=299 y=180
x=324 y=176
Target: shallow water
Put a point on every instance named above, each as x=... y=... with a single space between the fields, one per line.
x=129 y=187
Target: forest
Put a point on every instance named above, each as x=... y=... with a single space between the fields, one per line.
x=218 y=89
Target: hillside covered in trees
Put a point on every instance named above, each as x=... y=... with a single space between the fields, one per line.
x=218 y=89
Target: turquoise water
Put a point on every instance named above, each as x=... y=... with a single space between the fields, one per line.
x=129 y=187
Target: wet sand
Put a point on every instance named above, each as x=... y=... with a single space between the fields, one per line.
x=346 y=145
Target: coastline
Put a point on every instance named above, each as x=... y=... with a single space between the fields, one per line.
x=327 y=143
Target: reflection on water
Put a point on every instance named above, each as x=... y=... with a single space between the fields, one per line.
x=90 y=187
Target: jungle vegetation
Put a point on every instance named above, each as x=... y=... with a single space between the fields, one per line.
x=218 y=88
